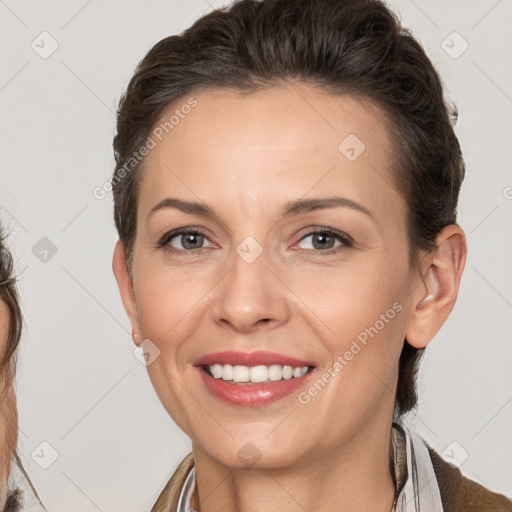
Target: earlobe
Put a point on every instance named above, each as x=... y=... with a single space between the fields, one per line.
x=435 y=297
x=125 y=284
x=135 y=337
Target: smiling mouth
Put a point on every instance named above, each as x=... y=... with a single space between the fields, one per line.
x=259 y=374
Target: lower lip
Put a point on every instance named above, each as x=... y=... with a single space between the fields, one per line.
x=252 y=395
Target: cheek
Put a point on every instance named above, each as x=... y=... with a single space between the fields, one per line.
x=366 y=316
x=354 y=295
x=168 y=300
x=363 y=314
x=168 y=304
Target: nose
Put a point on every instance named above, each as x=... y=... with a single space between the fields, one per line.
x=250 y=297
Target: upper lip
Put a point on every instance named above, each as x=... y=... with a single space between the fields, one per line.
x=259 y=357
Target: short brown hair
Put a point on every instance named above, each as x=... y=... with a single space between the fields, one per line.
x=355 y=47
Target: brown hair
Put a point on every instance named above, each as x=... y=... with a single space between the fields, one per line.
x=355 y=47
x=8 y=350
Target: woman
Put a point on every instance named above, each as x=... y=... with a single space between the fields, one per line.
x=16 y=490
x=285 y=195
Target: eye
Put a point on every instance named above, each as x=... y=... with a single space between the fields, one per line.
x=324 y=240
x=185 y=240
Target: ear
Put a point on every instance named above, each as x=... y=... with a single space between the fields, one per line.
x=434 y=299
x=125 y=284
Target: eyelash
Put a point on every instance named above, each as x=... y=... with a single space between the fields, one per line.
x=346 y=240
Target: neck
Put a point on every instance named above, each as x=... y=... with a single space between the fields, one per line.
x=355 y=477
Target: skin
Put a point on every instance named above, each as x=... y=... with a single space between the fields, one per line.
x=7 y=411
x=246 y=156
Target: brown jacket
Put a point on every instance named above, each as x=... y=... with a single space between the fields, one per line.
x=458 y=493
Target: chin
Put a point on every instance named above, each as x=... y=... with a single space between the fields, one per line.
x=255 y=451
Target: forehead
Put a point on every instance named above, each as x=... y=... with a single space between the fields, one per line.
x=283 y=140
x=279 y=117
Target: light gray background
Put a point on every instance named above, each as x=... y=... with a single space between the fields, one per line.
x=80 y=387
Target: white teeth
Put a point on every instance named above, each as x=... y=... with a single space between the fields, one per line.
x=287 y=372
x=227 y=372
x=216 y=370
x=240 y=374
x=256 y=374
x=275 y=372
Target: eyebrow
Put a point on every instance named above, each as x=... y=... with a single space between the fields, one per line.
x=295 y=207
x=307 y=205
x=189 y=207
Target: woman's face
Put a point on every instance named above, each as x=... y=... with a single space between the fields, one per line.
x=253 y=177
